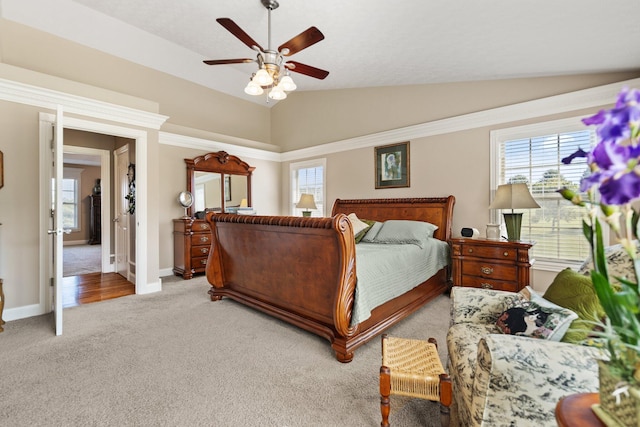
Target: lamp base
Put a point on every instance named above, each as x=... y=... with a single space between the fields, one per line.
x=513 y=221
x=306 y=213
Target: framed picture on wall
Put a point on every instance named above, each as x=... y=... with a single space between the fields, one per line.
x=392 y=165
x=227 y=188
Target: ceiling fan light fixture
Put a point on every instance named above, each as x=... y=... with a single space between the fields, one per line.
x=277 y=93
x=253 y=88
x=263 y=78
x=286 y=83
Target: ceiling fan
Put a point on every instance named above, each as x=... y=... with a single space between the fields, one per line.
x=273 y=71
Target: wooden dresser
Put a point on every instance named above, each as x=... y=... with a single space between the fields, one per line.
x=191 y=245
x=491 y=264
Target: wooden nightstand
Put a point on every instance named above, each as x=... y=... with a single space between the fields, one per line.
x=491 y=264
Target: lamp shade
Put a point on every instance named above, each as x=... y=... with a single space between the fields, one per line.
x=513 y=196
x=306 y=202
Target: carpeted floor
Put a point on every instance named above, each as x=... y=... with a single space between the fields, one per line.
x=81 y=259
x=175 y=358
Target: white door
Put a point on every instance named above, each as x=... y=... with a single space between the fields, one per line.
x=55 y=226
x=122 y=212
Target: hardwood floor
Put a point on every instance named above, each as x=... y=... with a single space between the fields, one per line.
x=93 y=287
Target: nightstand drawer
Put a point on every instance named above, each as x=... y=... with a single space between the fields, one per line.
x=485 y=283
x=489 y=270
x=490 y=252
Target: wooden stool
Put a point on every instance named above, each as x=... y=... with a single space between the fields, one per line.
x=411 y=368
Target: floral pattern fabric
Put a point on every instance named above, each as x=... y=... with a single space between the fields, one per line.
x=506 y=380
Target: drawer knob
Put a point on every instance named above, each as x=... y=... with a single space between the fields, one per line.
x=470 y=250
x=203 y=261
x=204 y=239
x=204 y=226
x=486 y=270
x=204 y=250
x=505 y=253
x=486 y=285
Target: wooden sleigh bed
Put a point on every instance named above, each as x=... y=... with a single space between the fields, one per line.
x=303 y=270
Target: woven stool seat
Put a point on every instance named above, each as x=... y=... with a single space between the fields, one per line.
x=411 y=368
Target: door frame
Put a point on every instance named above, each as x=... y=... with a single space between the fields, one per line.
x=140 y=136
x=105 y=199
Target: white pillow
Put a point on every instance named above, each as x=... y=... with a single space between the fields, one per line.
x=357 y=225
x=405 y=232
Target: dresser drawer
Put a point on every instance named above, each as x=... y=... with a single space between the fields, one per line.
x=197 y=251
x=489 y=269
x=201 y=239
x=200 y=226
x=486 y=283
x=490 y=252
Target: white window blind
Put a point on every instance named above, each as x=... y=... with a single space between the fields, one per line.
x=537 y=161
x=308 y=178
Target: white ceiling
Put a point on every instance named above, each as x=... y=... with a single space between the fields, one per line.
x=367 y=42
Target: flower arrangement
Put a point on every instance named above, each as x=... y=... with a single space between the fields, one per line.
x=614 y=165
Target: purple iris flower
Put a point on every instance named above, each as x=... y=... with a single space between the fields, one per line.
x=622 y=190
x=614 y=125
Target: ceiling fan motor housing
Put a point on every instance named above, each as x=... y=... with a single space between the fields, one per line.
x=270 y=4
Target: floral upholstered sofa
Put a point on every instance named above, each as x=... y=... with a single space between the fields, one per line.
x=510 y=380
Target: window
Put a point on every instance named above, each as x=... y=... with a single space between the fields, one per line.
x=533 y=155
x=308 y=178
x=71 y=198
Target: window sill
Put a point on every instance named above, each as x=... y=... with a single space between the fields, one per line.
x=555 y=266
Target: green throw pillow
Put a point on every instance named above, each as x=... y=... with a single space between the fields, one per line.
x=575 y=292
x=361 y=234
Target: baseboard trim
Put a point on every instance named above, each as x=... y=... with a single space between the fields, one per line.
x=23 y=312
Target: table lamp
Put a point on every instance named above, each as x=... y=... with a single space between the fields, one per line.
x=306 y=202
x=513 y=196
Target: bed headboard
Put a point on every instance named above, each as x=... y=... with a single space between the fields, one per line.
x=436 y=210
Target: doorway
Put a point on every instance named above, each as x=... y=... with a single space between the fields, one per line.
x=88 y=273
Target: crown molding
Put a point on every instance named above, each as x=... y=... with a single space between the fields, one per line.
x=41 y=97
x=177 y=140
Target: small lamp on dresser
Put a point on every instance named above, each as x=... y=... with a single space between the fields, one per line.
x=306 y=202
x=513 y=196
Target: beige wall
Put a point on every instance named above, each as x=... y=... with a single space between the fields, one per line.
x=311 y=118
x=19 y=204
x=265 y=192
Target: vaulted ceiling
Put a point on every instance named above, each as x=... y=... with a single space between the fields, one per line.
x=367 y=43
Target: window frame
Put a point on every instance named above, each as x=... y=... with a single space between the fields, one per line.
x=74 y=174
x=293 y=185
x=498 y=136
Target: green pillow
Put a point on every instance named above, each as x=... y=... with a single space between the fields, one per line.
x=361 y=234
x=575 y=292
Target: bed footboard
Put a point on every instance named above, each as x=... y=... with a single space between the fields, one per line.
x=301 y=270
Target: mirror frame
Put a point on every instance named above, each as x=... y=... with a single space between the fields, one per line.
x=219 y=162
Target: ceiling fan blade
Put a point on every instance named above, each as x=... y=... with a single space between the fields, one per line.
x=228 y=61
x=307 y=70
x=234 y=29
x=303 y=40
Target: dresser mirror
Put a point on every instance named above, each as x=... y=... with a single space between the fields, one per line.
x=219 y=182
